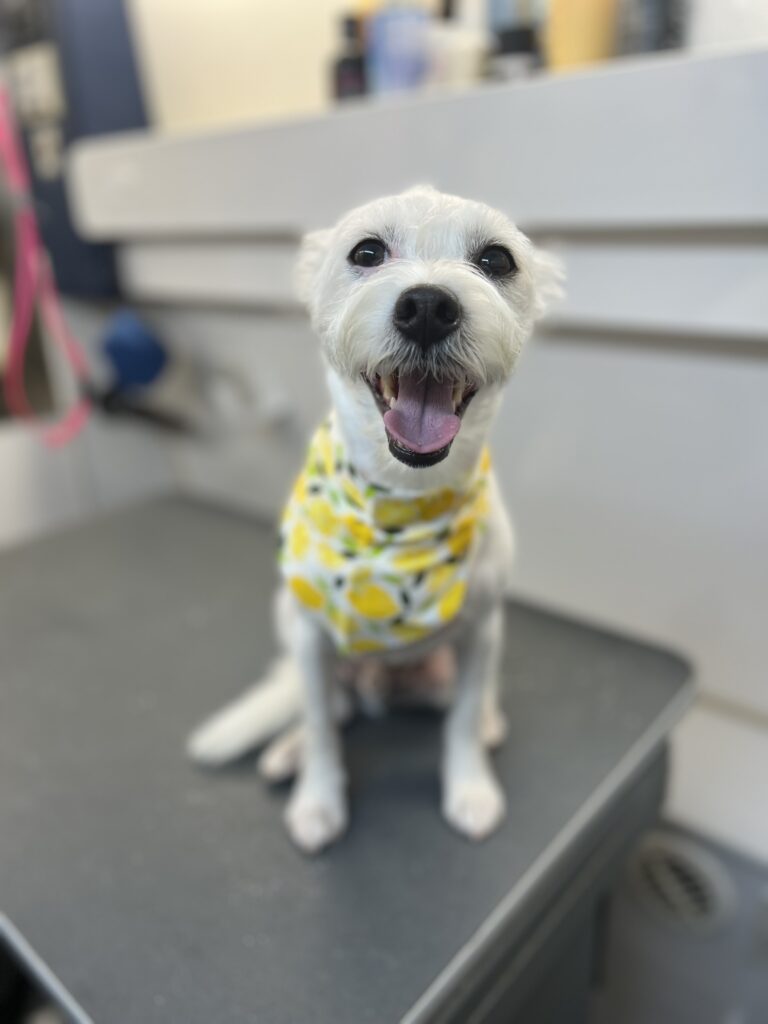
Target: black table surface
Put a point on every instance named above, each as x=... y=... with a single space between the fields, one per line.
x=158 y=892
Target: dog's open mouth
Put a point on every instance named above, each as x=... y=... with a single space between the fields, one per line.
x=422 y=415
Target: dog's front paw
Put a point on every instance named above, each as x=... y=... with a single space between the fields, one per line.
x=315 y=817
x=474 y=806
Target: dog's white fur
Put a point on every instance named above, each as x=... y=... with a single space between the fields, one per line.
x=431 y=239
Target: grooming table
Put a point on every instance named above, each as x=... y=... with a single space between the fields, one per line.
x=157 y=892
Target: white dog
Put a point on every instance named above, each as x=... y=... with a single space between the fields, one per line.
x=396 y=544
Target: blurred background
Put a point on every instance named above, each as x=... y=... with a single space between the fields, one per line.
x=167 y=155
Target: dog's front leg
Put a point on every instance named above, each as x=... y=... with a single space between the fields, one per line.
x=317 y=810
x=473 y=801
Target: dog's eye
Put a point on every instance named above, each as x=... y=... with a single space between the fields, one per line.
x=368 y=253
x=496 y=261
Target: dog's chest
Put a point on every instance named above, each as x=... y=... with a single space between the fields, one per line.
x=381 y=569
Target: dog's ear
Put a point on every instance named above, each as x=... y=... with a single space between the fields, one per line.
x=548 y=272
x=312 y=251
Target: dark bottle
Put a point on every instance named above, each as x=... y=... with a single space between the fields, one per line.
x=349 y=68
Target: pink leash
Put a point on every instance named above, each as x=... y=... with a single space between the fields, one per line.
x=33 y=284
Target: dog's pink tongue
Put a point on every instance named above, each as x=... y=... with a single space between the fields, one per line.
x=422 y=417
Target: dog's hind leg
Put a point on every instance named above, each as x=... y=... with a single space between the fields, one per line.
x=265 y=709
x=282 y=758
x=473 y=801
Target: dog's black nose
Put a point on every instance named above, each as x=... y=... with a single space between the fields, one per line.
x=426 y=314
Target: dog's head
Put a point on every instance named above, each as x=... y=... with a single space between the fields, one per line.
x=422 y=302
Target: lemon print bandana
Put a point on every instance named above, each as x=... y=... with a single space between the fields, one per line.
x=381 y=569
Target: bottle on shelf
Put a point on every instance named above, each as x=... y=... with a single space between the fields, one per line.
x=349 y=73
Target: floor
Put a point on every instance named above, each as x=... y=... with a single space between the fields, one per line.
x=687 y=939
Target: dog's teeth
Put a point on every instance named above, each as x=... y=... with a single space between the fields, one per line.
x=388 y=388
x=458 y=392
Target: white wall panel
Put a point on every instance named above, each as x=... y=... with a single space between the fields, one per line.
x=706 y=289
x=42 y=488
x=209 y=271
x=718 y=779
x=638 y=480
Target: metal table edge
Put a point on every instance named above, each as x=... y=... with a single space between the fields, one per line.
x=453 y=974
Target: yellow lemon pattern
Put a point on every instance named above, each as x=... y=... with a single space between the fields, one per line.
x=380 y=569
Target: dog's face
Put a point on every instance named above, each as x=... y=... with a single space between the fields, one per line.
x=422 y=302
